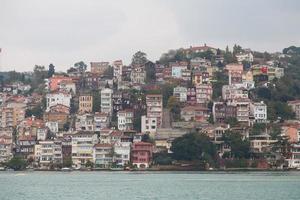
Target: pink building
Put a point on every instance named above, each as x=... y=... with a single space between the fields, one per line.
x=141 y=154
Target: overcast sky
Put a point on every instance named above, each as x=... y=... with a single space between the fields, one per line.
x=63 y=32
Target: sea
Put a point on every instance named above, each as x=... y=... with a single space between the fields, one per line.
x=98 y=185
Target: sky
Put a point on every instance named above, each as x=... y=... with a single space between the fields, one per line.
x=62 y=32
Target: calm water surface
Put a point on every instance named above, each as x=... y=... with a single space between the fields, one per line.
x=149 y=185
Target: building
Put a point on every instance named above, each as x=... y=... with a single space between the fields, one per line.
x=221 y=111
x=106 y=100
x=99 y=67
x=149 y=125
x=242 y=110
x=194 y=113
x=141 y=154
x=138 y=75
x=200 y=49
x=101 y=121
x=191 y=95
x=48 y=154
x=58 y=98
x=82 y=148
x=122 y=153
x=178 y=68
x=261 y=143
x=59 y=114
x=235 y=73
x=84 y=122
x=203 y=93
x=25 y=146
x=85 y=104
x=259 y=111
x=180 y=93
x=294 y=160
x=118 y=69
x=103 y=155
x=67 y=86
x=244 y=57
x=53 y=83
x=200 y=77
x=154 y=105
x=125 y=119
x=6 y=147
x=232 y=92
x=295 y=105
x=11 y=114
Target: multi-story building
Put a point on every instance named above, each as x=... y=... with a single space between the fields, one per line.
x=242 y=110
x=6 y=146
x=155 y=107
x=53 y=83
x=106 y=100
x=247 y=56
x=295 y=105
x=180 y=93
x=232 y=92
x=59 y=114
x=125 y=119
x=259 y=111
x=149 y=125
x=191 y=95
x=58 y=98
x=200 y=77
x=25 y=146
x=222 y=111
x=177 y=68
x=84 y=122
x=141 y=154
x=85 y=104
x=11 y=114
x=203 y=93
x=82 y=147
x=103 y=155
x=101 y=121
x=138 y=75
x=122 y=153
x=118 y=68
x=294 y=160
x=68 y=86
x=235 y=73
x=48 y=153
x=99 y=67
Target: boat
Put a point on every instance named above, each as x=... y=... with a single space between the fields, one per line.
x=66 y=169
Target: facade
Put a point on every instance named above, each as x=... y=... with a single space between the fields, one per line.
x=203 y=93
x=180 y=93
x=85 y=104
x=48 y=154
x=122 y=153
x=259 y=111
x=247 y=56
x=141 y=154
x=232 y=92
x=53 y=83
x=84 y=122
x=82 y=148
x=103 y=155
x=106 y=100
x=12 y=114
x=149 y=125
x=101 y=121
x=118 y=69
x=125 y=119
x=58 y=98
x=6 y=147
x=155 y=107
x=178 y=68
x=295 y=105
x=99 y=67
x=138 y=75
x=67 y=86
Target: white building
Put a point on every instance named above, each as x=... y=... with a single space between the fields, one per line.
x=125 y=119
x=101 y=120
x=82 y=147
x=259 y=111
x=248 y=57
x=48 y=153
x=57 y=98
x=180 y=93
x=103 y=155
x=149 y=125
x=122 y=153
x=67 y=86
x=118 y=67
x=53 y=126
x=106 y=100
x=84 y=122
x=232 y=92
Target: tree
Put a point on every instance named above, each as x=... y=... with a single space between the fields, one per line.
x=193 y=146
x=39 y=74
x=80 y=66
x=240 y=148
x=150 y=72
x=89 y=164
x=51 y=70
x=67 y=161
x=16 y=163
x=258 y=128
x=96 y=101
x=232 y=121
x=139 y=58
x=174 y=107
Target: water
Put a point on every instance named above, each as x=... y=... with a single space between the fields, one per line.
x=149 y=185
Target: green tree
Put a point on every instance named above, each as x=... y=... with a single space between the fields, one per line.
x=240 y=148
x=80 y=66
x=232 y=121
x=96 y=101
x=174 y=107
x=16 y=163
x=193 y=146
x=51 y=70
x=139 y=58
